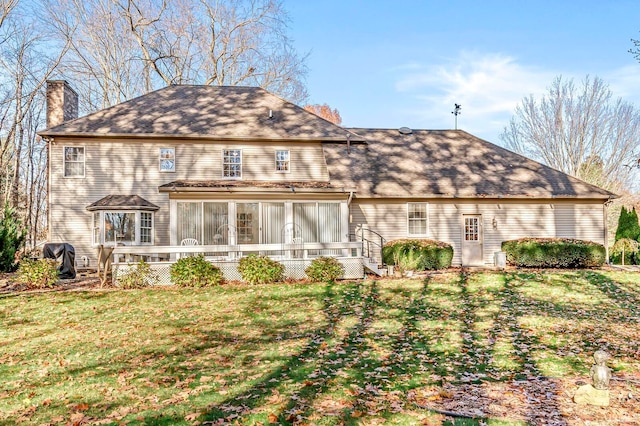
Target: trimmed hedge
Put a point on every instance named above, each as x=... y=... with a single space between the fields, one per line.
x=417 y=254
x=554 y=253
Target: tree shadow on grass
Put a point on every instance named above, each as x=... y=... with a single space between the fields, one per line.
x=378 y=345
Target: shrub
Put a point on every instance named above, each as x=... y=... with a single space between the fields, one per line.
x=417 y=254
x=260 y=270
x=325 y=269
x=554 y=253
x=628 y=226
x=12 y=235
x=631 y=250
x=195 y=271
x=139 y=276
x=40 y=273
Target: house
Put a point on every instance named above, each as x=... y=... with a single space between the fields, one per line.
x=239 y=170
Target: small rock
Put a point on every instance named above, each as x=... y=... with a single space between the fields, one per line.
x=587 y=394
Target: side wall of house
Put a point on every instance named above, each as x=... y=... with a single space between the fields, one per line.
x=500 y=220
x=128 y=167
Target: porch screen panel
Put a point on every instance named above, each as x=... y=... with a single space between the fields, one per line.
x=320 y=223
x=305 y=216
x=215 y=219
x=329 y=226
x=272 y=225
x=189 y=221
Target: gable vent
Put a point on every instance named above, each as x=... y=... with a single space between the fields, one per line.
x=405 y=131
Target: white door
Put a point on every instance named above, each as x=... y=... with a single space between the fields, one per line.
x=472 y=240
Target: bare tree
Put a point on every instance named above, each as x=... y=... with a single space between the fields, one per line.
x=232 y=42
x=582 y=131
x=102 y=56
x=27 y=60
x=6 y=7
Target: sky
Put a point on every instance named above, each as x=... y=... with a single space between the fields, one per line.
x=395 y=63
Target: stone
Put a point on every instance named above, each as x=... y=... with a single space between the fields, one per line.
x=587 y=394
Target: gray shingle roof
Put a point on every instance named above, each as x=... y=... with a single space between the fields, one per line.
x=216 y=112
x=445 y=163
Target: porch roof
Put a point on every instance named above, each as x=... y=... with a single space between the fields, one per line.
x=122 y=202
x=250 y=185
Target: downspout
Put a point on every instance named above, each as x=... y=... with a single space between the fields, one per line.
x=605 y=211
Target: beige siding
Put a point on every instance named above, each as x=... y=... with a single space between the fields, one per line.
x=513 y=219
x=129 y=167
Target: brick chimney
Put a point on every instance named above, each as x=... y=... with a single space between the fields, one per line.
x=62 y=103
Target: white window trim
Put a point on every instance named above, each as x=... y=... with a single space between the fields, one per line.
x=138 y=222
x=160 y=159
x=64 y=161
x=223 y=163
x=426 y=234
x=288 y=161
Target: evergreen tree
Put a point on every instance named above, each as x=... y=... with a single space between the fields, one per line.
x=628 y=226
x=12 y=235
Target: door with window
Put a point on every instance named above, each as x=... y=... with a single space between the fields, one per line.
x=472 y=240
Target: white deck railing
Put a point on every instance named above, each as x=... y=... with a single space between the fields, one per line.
x=232 y=252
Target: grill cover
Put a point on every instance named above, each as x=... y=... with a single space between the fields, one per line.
x=66 y=254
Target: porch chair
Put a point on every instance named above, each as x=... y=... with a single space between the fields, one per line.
x=298 y=251
x=188 y=242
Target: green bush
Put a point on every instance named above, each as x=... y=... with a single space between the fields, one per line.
x=260 y=270
x=628 y=226
x=554 y=253
x=195 y=271
x=40 y=273
x=325 y=269
x=139 y=276
x=631 y=250
x=12 y=235
x=417 y=254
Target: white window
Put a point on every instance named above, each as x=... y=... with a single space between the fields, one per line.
x=282 y=161
x=96 y=228
x=123 y=228
x=167 y=159
x=73 y=161
x=146 y=227
x=417 y=218
x=232 y=163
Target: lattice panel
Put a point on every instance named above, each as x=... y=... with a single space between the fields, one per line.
x=293 y=268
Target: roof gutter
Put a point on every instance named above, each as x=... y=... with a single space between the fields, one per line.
x=348 y=139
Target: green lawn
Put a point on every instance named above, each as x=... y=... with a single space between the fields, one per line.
x=506 y=346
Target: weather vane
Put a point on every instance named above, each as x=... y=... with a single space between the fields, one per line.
x=456 y=112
